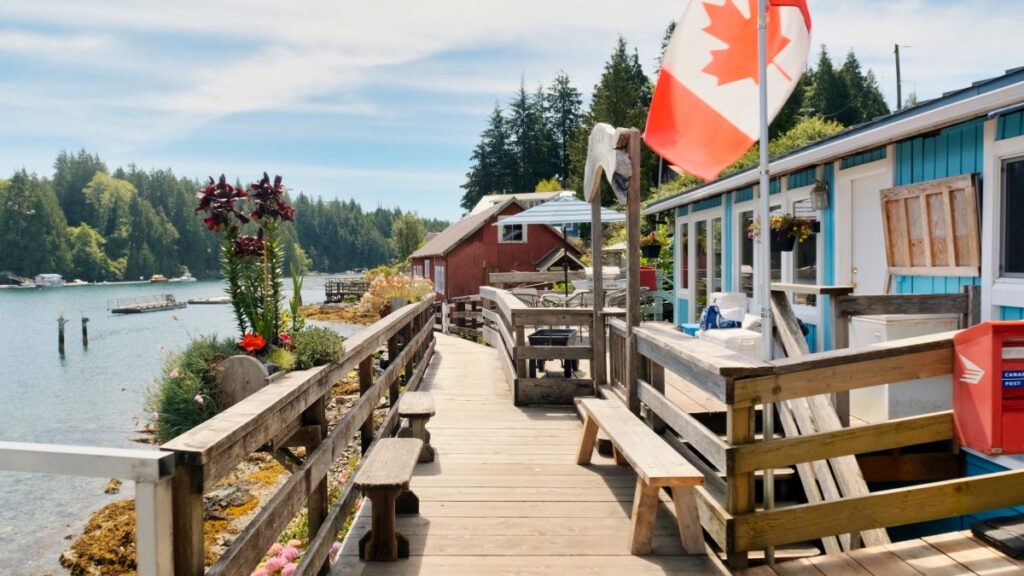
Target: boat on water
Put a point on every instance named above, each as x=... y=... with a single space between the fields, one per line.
x=211 y=300
x=141 y=304
x=158 y=279
x=186 y=277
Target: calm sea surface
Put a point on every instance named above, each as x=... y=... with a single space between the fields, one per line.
x=91 y=397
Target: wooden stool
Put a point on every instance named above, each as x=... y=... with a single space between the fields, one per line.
x=384 y=478
x=418 y=407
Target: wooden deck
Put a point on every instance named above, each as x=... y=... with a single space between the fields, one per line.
x=504 y=495
x=952 y=554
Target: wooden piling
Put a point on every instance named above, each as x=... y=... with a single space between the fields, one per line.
x=60 y=333
x=85 y=332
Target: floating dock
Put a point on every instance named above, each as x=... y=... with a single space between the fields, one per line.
x=141 y=304
x=211 y=300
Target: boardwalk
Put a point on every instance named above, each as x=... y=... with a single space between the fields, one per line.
x=952 y=554
x=505 y=496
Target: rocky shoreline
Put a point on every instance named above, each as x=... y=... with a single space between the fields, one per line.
x=347 y=312
x=107 y=544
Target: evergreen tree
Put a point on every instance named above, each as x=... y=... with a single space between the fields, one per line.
x=88 y=260
x=72 y=172
x=863 y=93
x=493 y=168
x=565 y=114
x=33 y=230
x=532 y=142
x=829 y=96
x=793 y=110
x=621 y=98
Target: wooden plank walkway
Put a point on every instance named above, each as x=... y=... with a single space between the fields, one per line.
x=952 y=554
x=504 y=495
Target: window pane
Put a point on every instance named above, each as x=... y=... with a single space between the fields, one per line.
x=684 y=256
x=701 y=296
x=805 y=257
x=1013 y=213
x=746 y=254
x=716 y=279
x=512 y=233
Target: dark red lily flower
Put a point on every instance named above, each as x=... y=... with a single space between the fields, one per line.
x=218 y=199
x=249 y=247
x=269 y=199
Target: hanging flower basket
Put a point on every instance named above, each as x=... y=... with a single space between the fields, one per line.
x=652 y=251
x=782 y=241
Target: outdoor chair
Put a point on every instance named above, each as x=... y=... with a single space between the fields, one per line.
x=527 y=296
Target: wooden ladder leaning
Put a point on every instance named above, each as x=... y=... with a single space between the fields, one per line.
x=822 y=480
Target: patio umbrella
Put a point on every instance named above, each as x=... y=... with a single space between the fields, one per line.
x=559 y=211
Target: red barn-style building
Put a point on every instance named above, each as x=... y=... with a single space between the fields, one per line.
x=459 y=259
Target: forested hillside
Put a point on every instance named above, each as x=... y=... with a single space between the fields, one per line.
x=90 y=223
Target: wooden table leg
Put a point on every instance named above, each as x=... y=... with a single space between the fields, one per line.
x=382 y=542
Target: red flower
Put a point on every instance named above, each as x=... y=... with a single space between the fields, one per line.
x=285 y=340
x=252 y=343
x=249 y=247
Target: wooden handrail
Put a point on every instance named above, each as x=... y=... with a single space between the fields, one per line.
x=812 y=289
x=294 y=406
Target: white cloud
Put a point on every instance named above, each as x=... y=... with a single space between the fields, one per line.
x=68 y=47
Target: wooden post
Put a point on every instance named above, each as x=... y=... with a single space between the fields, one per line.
x=85 y=332
x=153 y=527
x=406 y=333
x=597 y=330
x=633 y=271
x=840 y=339
x=60 y=333
x=187 y=500
x=365 y=383
x=739 y=487
x=656 y=372
x=393 y=350
x=318 y=503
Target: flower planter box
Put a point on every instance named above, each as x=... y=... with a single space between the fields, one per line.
x=652 y=251
x=782 y=241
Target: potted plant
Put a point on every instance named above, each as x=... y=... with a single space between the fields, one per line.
x=650 y=245
x=785 y=231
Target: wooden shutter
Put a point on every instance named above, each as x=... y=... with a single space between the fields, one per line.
x=931 y=228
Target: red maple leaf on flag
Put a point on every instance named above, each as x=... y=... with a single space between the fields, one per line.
x=738 y=61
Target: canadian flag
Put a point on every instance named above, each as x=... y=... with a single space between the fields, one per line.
x=704 y=115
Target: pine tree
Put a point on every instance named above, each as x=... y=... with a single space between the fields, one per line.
x=565 y=114
x=406 y=235
x=33 y=230
x=72 y=172
x=863 y=92
x=493 y=163
x=532 y=143
x=829 y=96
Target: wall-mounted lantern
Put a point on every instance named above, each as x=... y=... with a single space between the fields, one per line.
x=819 y=195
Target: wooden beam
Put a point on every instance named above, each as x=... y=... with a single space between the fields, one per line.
x=811 y=289
x=862 y=439
x=739 y=486
x=704 y=441
x=895 y=507
x=902 y=304
x=633 y=270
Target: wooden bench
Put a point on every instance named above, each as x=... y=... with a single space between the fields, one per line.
x=418 y=407
x=384 y=478
x=657 y=465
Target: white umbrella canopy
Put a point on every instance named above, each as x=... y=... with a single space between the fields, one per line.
x=559 y=211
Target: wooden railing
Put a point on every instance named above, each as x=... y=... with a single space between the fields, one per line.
x=337 y=289
x=150 y=470
x=460 y=316
x=290 y=411
x=502 y=279
x=727 y=500
x=507 y=324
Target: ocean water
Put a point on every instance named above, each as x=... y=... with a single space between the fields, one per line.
x=91 y=397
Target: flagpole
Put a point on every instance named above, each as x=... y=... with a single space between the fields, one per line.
x=763 y=247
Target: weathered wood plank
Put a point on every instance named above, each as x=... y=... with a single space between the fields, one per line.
x=413 y=404
x=902 y=304
x=704 y=441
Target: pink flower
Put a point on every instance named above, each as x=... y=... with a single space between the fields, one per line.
x=173 y=373
x=154 y=416
x=289 y=569
x=199 y=399
x=275 y=549
x=335 y=548
x=294 y=543
x=290 y=553
x=274 y=564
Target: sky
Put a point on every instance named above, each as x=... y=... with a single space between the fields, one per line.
x=381 y=102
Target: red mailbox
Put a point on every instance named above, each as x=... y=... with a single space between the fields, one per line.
x=988 y=387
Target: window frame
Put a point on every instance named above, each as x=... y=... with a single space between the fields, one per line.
x=501 y=232
x=440 y=284
x=1004 y=219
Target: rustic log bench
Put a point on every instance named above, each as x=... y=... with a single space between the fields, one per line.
x=384 y=478
x=418 y=407
x=657 y=465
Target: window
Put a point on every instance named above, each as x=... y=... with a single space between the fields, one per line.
x=426 y=267
x=439 y=279
x=747 y=249
x=684 y=256
x=805 y=255
x=417 y=271
x=511 y=233
x=1012 y=263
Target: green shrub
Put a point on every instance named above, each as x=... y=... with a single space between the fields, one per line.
x=315 y=345
x=284 y=359
x=187 y=395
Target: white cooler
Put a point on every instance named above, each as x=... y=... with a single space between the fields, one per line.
x=747 y=342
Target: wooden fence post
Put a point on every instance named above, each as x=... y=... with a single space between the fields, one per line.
x=656 y=373
x=739 y=487
x=365 y=383
x=633 y=272
x=154 y=527
x=840 y=339
x=187 y=500
x=393 y=351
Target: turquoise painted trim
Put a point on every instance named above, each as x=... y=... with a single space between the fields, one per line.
x=1011 y=313
x=706 y=203
x=975 y=465
x=829 y=269
x=744 y=194
x=774 y=186
x=953 y=151
x=812 y=338
x=802 y=178
x=933 y=284
x=682 y=210
x=1010 y=125
x=862 y=158
x=727 y=245
x=682 y=311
